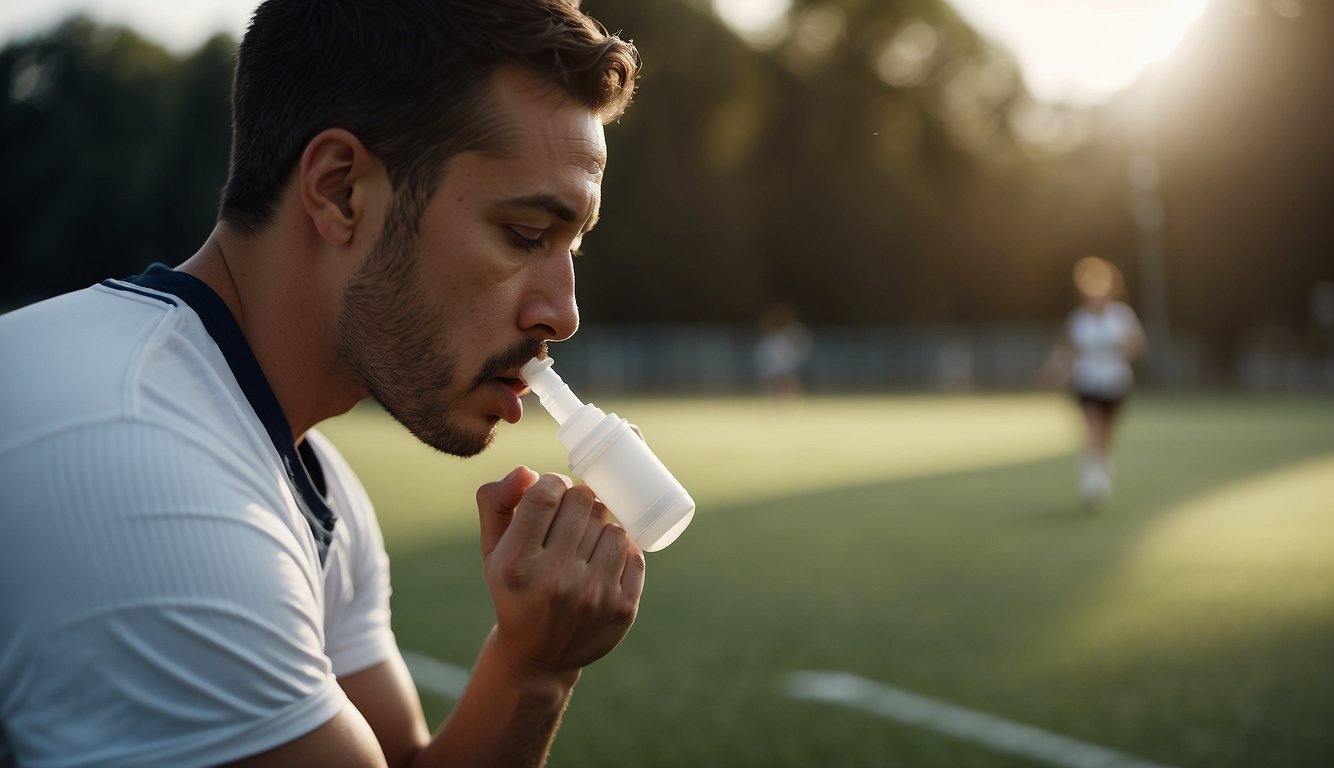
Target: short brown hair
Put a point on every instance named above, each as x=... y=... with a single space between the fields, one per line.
x=409 y=78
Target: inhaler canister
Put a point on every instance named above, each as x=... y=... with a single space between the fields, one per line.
x=616 y=463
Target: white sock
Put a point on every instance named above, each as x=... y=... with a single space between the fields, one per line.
x=1096 y=481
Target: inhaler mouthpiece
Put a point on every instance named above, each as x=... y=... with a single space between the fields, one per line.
x=615 y=462
x=552 y=392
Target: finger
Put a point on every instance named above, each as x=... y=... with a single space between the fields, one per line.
x=496 y=502
x=609 y=558
x=536 y=510
x=596 y=519
x=567 y=528
x=632 y=577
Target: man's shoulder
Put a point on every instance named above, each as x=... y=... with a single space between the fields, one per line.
x=59 y=314
x=97 y=355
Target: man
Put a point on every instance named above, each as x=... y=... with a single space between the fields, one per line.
x=192 y=575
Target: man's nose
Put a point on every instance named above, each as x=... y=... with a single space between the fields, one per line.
x=552 y=311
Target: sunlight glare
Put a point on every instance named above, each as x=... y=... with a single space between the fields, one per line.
x=760 y=22
x=1083 y=52
x=1217 y=570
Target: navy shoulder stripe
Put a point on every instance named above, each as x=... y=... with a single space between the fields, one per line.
x=222 y=326
x=120 y=286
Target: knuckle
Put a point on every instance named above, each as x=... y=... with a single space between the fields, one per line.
x=514 y=577
x=545 y=494
x=589 y=601
x=557 y=592
x=625 y=612
x=583 y=494
x=615 y=537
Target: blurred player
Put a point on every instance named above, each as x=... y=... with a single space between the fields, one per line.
x=1092 y=358
x=783 y=347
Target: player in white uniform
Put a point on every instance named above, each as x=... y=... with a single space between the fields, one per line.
x=1093 y=356
x=783 y=347
x=191 y=573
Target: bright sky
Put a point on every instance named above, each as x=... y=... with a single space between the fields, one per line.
x=1083 y=50
x=1075 y=50
x=179 y=24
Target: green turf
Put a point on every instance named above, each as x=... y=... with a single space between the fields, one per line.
x=933 y=544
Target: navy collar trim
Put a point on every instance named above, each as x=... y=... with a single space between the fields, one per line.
x=221 y=325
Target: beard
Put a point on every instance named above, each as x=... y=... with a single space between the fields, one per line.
x=396 y=344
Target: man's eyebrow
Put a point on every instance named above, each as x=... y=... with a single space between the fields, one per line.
x=553 y=205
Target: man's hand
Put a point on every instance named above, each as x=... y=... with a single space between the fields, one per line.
x=565 y=582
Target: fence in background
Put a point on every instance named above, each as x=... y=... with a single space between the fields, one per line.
x=719 y=359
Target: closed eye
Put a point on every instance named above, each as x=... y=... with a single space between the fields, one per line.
x=532 y=240
x=526 y=238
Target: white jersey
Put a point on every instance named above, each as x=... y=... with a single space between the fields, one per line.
x=779 y=354
x=1099 y=338
x=177 y=589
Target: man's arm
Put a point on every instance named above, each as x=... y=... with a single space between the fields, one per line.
x=566 y=587
x=387 y=698
x=1136 y=342
x=1055 y=370
x=504 y=718
x=344 y=742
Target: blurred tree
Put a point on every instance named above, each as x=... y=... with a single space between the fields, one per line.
x=193 y=156
x=866 y=161
x=878 y=162
x=799 y=172
x=113 y=153
x=1240 y=123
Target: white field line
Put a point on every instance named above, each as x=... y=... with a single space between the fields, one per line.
x=436 y=676
x=911 y=709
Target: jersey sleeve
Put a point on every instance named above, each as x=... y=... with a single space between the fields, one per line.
x=169 y=615
x=1129 y=321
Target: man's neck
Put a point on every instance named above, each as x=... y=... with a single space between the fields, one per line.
x=276 y=299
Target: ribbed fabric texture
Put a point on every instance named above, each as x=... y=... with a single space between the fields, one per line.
x=163 y=598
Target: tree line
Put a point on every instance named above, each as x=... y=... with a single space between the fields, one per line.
x=875 y=163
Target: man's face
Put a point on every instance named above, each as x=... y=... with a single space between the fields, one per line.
x=437 y=325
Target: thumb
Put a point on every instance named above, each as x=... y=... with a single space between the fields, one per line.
x=496 y=502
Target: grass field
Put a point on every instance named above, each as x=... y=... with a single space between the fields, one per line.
x=933 y=544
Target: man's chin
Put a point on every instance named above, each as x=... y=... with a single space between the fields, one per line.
x=460 y=443
x=451 y=437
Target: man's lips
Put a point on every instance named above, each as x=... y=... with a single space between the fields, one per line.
x=509 y=389
x=520 y=388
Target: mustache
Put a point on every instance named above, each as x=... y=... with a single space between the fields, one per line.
x=510 y=358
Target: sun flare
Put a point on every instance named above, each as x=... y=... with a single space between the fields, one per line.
x=1078 y=51
x=1082 y=52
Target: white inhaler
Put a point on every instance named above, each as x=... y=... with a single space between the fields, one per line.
x=615 y=462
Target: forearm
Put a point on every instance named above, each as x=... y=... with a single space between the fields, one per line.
x=1135 y=346
x=508 y=715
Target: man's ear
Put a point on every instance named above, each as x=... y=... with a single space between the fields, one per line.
x=335 y=179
